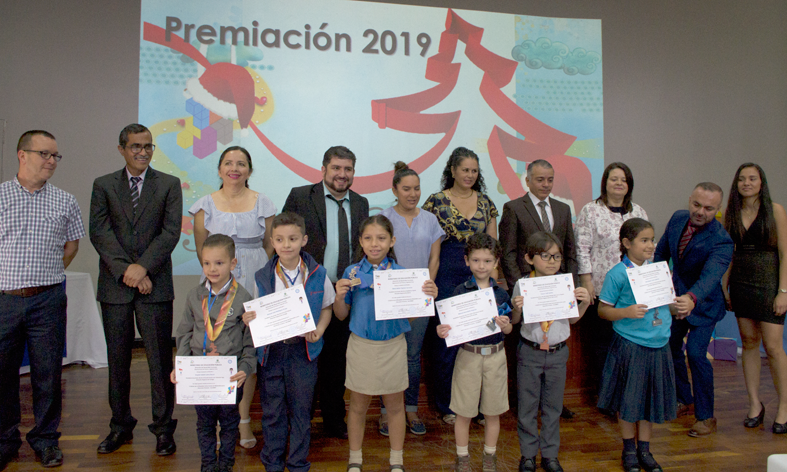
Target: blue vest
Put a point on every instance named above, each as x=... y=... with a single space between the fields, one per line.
x=315 y=290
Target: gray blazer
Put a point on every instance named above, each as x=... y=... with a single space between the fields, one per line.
x=121 y=239
x=521 y=219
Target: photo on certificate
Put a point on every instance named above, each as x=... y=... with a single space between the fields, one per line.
x=280 y=315
x=398 y=294
x=470 y=315
x=548 y=298
x=205 y=380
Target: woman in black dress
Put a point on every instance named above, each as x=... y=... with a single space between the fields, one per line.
x=755 y=286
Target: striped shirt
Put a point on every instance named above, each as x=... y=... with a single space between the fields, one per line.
x=34 y=228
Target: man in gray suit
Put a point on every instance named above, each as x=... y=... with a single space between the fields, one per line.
x=533 y=212
x=536 y=211
x=135 y=219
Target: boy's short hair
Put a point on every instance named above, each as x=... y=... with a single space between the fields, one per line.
x=289 y=218
x=483 y=241
x=222 y=241
x=541 y=242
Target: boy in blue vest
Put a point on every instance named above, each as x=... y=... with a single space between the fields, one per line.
x=287 y=370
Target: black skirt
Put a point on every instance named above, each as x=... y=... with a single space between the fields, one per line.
x=638 y=382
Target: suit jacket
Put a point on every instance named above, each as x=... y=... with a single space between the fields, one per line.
x=121 y=239
x=699 y=271
x=521 y=219
x=309 y=202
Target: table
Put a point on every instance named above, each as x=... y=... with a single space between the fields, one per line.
x=84 y=330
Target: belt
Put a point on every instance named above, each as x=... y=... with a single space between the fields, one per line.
x=537 y=346
x=292 y=340
x=483 y=350
x=29 y=291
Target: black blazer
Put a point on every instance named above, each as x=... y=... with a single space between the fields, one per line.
x=309 y=202
x=521 y=219
x=147 y=239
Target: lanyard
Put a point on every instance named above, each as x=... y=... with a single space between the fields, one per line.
x=212 y=331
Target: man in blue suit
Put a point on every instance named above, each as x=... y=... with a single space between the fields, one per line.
x=700 y=250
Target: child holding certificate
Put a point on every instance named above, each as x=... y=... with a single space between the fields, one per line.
x=212 y=326
x=542 y=355
x=377 y=351
x=287 y=370
x=638 y=379
x=480 y=370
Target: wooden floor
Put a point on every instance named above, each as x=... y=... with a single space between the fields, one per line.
x=590 y=442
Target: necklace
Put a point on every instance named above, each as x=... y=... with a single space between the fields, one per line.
x=453 y=194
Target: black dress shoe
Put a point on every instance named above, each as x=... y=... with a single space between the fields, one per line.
x=779 y=428
x=527 y=465
x=648 y=463
x=551 y=465
x=51 y=456
x=165 y=444
x=336 y=431
x=757 y=420
x=6 y=458
x=113 y=442
x=567 y=414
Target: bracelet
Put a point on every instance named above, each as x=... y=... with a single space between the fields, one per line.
x=781 y=290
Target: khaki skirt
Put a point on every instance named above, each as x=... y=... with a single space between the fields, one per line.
x=376 y=367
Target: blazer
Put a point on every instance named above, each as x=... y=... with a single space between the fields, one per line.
x=521 y=219
x=121 y=239
x=309 y=202
x=705 y=260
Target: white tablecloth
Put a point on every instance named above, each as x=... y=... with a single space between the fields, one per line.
x=85 y=340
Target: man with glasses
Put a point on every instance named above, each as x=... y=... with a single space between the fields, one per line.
x=135 y=220
x=40 y=228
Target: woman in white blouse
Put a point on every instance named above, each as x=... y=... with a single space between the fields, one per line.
x=598 y=250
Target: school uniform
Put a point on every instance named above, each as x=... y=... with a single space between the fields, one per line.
x=638 y=379
x=541 y=383
x=234 y=339
x=377 y=350
x=480 y=370
x=287 y=370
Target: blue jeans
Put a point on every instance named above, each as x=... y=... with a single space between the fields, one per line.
x=286 y=384
x=39 y=321
x=415 y=342
x=701 y=368
x=228 y=418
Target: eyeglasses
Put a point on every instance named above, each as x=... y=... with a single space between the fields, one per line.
x=46 y=154
x=545 y=256
x=137 y=148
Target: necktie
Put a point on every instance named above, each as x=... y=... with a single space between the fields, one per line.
x=545 y=217
x=344 y=239
x=135 y=191
x=684 y=240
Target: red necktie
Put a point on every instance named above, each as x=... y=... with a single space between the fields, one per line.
x=684 y=240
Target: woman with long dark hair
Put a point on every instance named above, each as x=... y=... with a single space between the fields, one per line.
x=755 y=286
x=462 y=209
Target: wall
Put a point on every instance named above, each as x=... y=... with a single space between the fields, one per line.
x=692 y=89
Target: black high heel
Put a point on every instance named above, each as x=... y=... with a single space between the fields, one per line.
x=779 y=428
x=757 y=420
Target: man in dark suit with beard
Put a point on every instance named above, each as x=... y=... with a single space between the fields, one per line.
x=333 y=214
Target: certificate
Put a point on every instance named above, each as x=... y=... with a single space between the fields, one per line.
x=398 y=294
x=280 y=315
x=548 y=298
x=471 y=316
x=205 y=380
x=652 y=284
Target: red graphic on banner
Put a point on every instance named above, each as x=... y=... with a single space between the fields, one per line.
x=405 y=113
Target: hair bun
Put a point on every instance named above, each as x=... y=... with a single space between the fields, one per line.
x=400 y=165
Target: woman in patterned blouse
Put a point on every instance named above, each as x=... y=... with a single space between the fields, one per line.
x=598 y=250
x=462 y=209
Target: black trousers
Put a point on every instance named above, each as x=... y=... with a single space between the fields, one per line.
x=154 y=322
x=332 y=372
